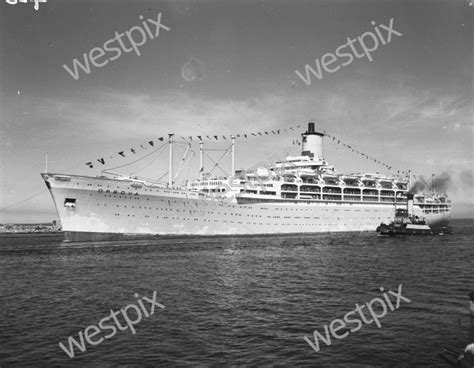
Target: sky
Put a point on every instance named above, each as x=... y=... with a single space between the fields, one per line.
x=227 y=67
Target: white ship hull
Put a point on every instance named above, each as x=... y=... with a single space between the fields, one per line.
x=94 y=208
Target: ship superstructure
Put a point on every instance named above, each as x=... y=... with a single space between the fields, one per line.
x=301 y=194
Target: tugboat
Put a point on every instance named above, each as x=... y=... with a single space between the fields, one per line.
x=405 y=223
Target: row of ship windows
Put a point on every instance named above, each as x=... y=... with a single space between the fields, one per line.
x=425 y=210
x=368 y=192
x=441 y=210
x=248 y=223
x=333 y=197
x=238 y=206
x=174 y=201
x=436 y=210
x=232 y=206
x=230 y=213
x=325 y=200
x=134 y=188
x=248 y=200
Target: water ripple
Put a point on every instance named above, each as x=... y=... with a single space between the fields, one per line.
x=236 y=301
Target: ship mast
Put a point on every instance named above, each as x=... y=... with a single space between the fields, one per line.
x=201 y=159
x=170 y=163
x=233 y=155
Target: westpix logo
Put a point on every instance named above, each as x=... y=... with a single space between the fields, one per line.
x=136 y=36
x=339 y=327
x=105 y=324
x=368 y=42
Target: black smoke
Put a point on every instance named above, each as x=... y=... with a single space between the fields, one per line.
x=439 y=184
x=442 y=182
x=417 y=187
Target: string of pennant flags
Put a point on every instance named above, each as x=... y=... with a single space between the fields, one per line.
x=362 y=154
x=195 y=138
x=124 y=153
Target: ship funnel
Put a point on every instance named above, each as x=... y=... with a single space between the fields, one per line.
x=312 y=143
x=410 y=204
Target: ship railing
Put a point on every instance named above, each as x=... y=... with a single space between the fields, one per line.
x=370 y=199
x=331 y=191
x=309 y=196
x=309 y=180
x=351 y=183
x=332 y=197
x=370 y=192
x=308 y=188
x=137 y=179
x=312 y=185
x=354 y=185
x=352 y=191
x=352 y=198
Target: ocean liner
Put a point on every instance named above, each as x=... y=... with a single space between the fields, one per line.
x=300 y=194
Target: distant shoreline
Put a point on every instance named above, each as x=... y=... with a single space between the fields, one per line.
x=34 y=228
x=11 y=235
